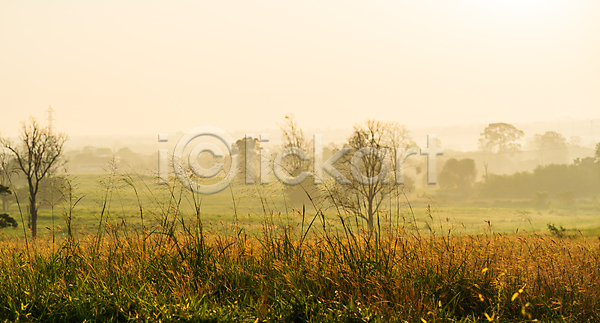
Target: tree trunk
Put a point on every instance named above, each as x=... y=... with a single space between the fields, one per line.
x=33 y=215
x=370 y=216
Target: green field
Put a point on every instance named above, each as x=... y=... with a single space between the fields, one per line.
x=130 y=199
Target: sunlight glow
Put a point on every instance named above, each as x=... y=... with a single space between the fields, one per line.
x=520 y=6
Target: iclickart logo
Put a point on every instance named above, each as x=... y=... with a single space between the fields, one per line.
x=268 y=167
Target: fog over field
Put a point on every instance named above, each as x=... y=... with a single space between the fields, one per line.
x=117 y=75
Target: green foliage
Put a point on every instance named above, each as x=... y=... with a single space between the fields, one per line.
x=4 y=190
x=7 y=221
x=560 y=233
x=458 y=174
x=580 y=178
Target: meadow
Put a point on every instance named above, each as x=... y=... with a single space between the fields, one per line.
x=117 y=197
x=121 y=248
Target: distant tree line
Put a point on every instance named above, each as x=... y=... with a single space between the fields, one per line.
x=553 y=177
x=582 y=178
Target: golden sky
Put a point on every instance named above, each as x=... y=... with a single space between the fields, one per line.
x=133 y=67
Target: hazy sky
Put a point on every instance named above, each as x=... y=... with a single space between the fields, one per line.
x=125 y=67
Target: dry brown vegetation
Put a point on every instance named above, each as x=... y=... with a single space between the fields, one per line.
x=187 y=275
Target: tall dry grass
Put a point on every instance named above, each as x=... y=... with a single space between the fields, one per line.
x=189 y=275
x=176 y=271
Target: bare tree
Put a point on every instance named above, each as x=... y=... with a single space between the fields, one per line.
x=293 y=136
x=375 y=147
x=38 y=151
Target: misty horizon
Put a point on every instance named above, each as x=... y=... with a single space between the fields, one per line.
x=113 y=68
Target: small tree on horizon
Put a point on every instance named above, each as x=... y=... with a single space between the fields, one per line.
x=500 y=138
x=459 y=174
x=552 y=147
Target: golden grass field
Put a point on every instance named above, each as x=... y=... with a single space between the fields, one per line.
x=125 y=254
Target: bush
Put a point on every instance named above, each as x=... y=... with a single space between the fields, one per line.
x=560 y=233
x=6 y=221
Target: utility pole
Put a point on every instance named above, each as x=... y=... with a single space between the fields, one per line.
x=50 y=119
